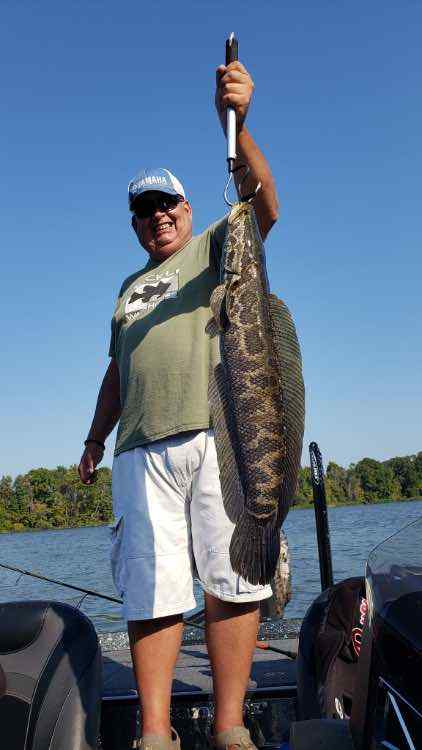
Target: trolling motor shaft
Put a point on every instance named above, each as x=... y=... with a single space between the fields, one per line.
x=321 y=517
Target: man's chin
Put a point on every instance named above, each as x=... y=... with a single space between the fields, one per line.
x=165 y=249
x=165 y=240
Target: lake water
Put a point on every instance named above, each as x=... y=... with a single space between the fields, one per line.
x=80 y=557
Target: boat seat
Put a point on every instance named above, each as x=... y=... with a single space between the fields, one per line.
x=327 y=663
x=2 y=682
x=51 y=661
x=336 y=734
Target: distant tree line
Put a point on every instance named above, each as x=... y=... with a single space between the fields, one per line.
x=368 y=481
x=56 y=498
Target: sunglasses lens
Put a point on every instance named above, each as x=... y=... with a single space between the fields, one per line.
x=144 y=209
x=147 y=208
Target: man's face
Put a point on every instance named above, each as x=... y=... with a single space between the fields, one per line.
x=165 y=231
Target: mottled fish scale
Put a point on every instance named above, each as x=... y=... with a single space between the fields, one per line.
x=258 y=442
x=249 y=340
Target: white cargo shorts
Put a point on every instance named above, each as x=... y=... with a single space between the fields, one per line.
x=171 y=526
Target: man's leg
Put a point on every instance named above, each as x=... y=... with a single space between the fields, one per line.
x=152 y=567
x=155 y=645
x=232 y=626
x=231 y=631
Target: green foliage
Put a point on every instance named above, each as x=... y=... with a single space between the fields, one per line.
x=336 y=483
x=408 y=472
x=304 y=486
x=6 y=493
x=56 y=498
x=368 y=481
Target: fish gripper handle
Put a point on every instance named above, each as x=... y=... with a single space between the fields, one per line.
x=232 y=53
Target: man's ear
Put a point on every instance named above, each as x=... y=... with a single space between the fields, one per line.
x=135 y=228
x=188 y=207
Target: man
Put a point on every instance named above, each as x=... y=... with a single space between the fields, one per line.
x=170 y=522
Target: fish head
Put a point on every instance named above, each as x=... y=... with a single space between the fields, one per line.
x=242 y=244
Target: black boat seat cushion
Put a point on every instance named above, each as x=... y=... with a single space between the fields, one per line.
x=2 y=682
x=51 y=661
x=329 y=642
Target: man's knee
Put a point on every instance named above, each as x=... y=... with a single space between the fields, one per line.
x=231 y=609
x=143 y=628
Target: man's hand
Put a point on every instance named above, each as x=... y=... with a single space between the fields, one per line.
x=234 y=89
x=107 y=414
x=91 y=456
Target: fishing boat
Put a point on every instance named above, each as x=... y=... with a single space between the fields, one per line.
x=347 y=677
x=368 y=697
x=55 y=694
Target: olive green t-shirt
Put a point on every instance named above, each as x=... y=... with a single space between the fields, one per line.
x=158 y=339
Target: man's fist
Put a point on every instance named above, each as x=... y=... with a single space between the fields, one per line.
x=91 y=456
x=234 y=89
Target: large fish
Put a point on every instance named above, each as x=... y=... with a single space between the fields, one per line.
x=256 y=398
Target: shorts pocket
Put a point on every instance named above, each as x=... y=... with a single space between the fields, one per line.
x=244 y=587
x=116 y=555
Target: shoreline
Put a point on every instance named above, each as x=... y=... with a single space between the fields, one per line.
x=387 y=501
x=306 y=505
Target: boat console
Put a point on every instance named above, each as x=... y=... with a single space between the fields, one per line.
x=393 y=716
x=387 y=702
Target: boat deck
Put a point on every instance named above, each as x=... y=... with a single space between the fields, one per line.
x=193 y=672
x=270 y=704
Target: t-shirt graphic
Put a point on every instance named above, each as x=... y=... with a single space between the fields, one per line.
x=153 y=290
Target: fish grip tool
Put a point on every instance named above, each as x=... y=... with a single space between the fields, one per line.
x=232 y=55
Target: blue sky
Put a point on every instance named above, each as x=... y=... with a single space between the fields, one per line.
x=93 y=91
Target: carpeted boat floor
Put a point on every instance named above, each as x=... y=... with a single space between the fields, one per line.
x=193 y=673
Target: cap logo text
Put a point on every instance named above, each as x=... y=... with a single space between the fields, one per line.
x=153 y=180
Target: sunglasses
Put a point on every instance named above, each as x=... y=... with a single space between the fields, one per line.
x=148 y=206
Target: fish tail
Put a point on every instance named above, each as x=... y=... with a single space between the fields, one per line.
x=254 y=550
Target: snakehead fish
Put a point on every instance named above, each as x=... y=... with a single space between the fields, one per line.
x=256 y=398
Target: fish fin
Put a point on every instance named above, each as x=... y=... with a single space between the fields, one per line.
x=293 y=394
x=273 y=607
x=226 y=444
x=254 y=550
x=218 y=307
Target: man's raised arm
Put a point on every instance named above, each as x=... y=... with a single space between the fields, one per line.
x=234 y=89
